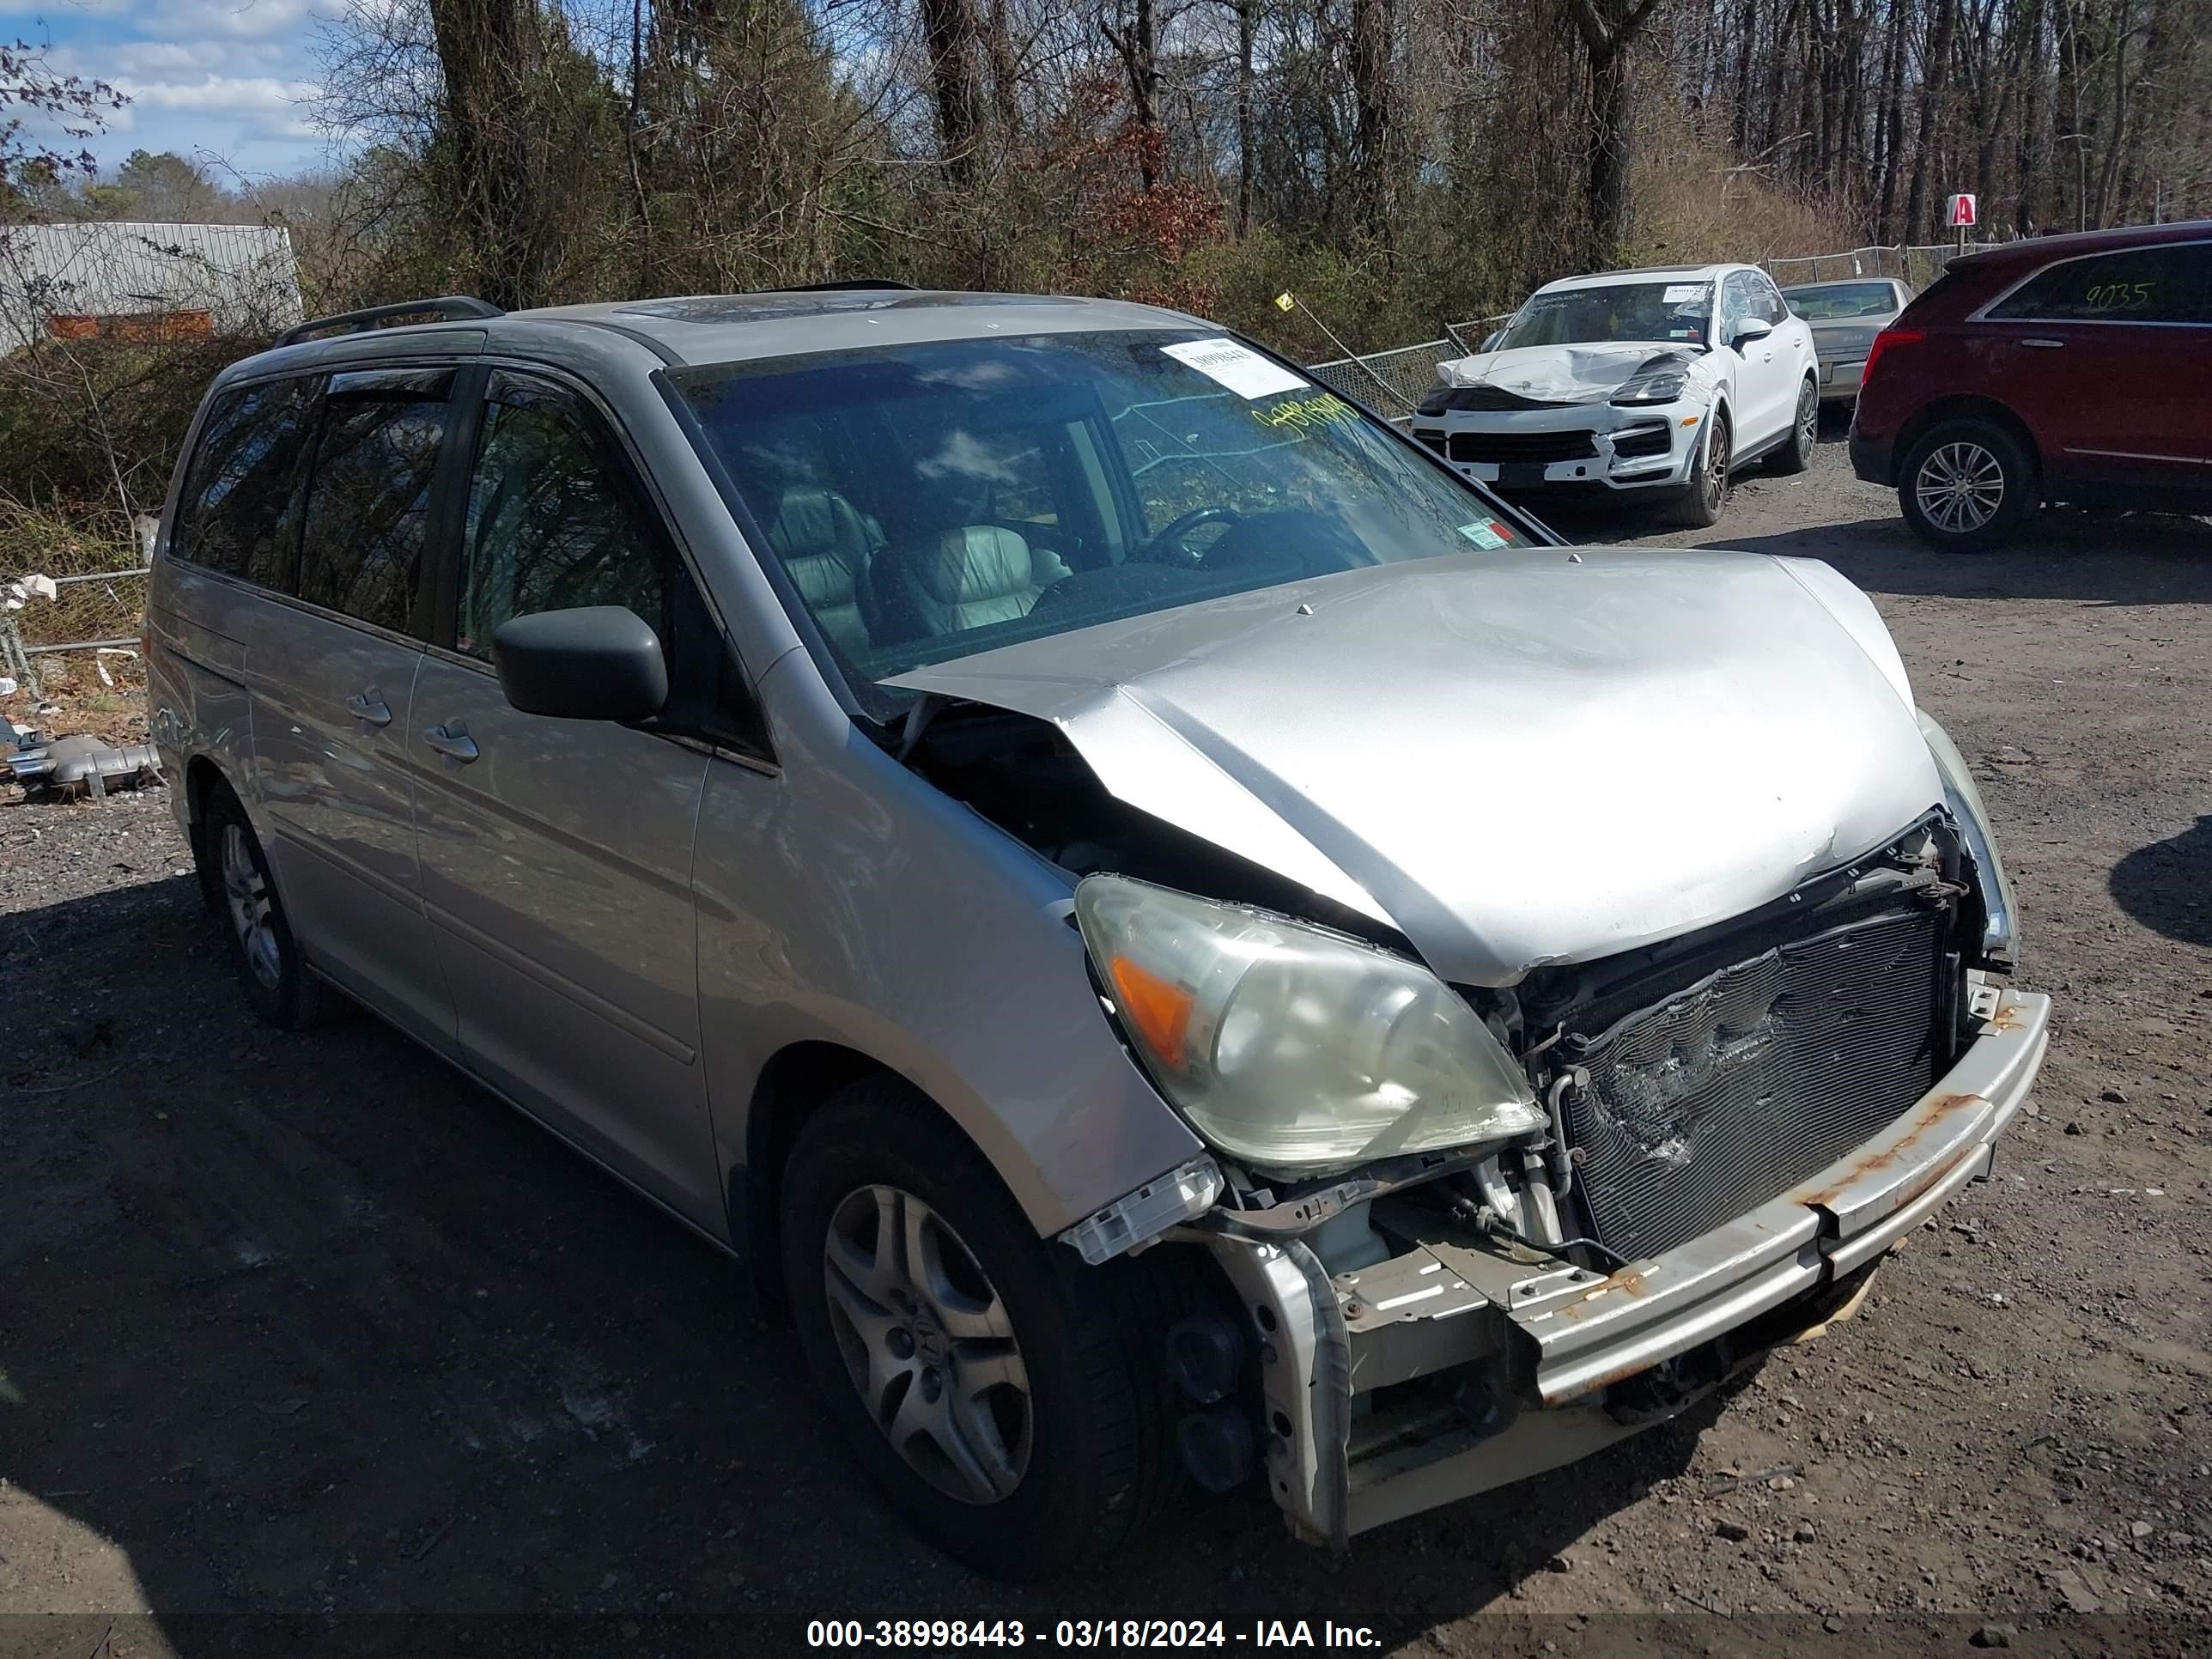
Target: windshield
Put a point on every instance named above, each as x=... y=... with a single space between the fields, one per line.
x=1831 y=300
x=1616 y=311
x=929 y=501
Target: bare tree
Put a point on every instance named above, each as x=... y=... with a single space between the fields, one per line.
x=1609 y=31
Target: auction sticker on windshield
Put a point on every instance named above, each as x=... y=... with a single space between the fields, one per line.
x=1486 y=532
x=1678 y=292
x=1245 y=373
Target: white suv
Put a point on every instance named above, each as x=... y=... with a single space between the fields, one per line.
x=1651 y=385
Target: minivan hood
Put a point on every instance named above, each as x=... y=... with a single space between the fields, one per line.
x=1514 y=758
x=1567 y=374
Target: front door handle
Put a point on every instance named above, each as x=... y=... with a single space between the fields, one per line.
x=2045 y=345
x=369 y=706
x=452 y=740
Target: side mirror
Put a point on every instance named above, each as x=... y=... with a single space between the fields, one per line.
x=1495 y=336
x=1749 y=329
x=597 y=662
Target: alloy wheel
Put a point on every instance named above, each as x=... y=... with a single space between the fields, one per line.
x=1716 y=466
x=1808 y=421
x=1959 y=486
x=245 y=894
x=928 y=1343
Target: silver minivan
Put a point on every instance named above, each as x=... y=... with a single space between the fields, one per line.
x=1179 y=939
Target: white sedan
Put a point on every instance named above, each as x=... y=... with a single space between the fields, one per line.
x=1636 y=386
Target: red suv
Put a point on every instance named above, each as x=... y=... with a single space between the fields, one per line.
x=2068 y=368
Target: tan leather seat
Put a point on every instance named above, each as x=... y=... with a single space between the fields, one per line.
x=968 y=577
x=826 y=548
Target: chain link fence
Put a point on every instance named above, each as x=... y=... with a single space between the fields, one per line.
x=1916 y=266
x=1388 y=382
x=1392 y=382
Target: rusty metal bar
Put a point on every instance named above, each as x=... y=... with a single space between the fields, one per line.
x=130 y=644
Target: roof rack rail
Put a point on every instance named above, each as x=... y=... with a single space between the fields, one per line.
x=851 y=284
x=453 y=308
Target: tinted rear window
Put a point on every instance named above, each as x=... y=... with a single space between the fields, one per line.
x=2133 y=285
x=369 y=506
x=235 y=514
x=1831 y=302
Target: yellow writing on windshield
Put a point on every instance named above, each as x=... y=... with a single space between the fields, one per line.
x=1322 y=409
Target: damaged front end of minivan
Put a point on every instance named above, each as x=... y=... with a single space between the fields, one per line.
x=1653 y=1170
x=1510 y=1153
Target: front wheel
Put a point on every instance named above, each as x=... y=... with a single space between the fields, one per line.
x=1804 y=433
x=1966 y=486
x=1699 y=507
x=1012 y=1403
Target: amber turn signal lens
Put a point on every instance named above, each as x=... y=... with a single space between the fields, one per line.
x=1156 y=1009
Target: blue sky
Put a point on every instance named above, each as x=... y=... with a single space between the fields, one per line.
x=219 y=81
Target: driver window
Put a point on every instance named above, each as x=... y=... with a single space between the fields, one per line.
x=1735 y=304
x=549 y=524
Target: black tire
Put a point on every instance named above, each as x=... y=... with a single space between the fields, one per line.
x=1804 y=433
x=1967 y=485
x=265 y=954
x=1698 y=506
x=1100 y=1459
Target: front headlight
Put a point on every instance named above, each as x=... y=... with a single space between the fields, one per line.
x=1292 y=1047
x=1662 y=388
x=2000 y=941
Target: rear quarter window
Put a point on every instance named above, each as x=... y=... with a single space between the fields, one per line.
x=236 y=514
x=2171 y=284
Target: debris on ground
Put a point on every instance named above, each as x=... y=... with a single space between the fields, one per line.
x=82 y=732
x=83 y=765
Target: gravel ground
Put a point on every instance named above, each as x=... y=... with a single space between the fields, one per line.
x=306 y=1346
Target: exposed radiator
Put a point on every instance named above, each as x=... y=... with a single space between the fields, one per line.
x=1740 y=1086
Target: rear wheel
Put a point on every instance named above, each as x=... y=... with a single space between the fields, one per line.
x=235 y=882
x=1698 y=506
x=1804 y=433
x=1012 y=1403
x=1966 y=485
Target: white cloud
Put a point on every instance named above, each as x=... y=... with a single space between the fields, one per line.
x=228 y=83
x=161 y=60
x=13 y=10
x=221 y=94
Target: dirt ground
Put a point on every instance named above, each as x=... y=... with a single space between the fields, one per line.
x=306 y=1346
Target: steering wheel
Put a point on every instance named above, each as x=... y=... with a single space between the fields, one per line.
x=1171 y=536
